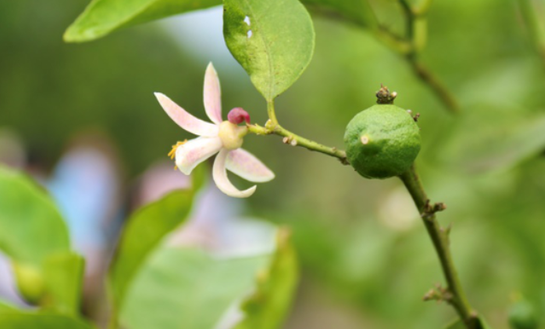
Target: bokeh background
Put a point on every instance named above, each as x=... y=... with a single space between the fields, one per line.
x=82 y=119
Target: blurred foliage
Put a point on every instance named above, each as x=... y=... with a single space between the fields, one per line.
x=144 y=231
x=268 y=305
x=349 y=233
x=35 y=238
x=63 y=276
x=102 y=17
x=460 y=325
x=24 y=320
x=27 y=212
x=49 y=90
x=201 y=287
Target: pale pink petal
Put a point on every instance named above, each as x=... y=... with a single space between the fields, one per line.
x=212 y=94
x=247 y=166
x=195 y=151
x=222 y=181
x=185 y=120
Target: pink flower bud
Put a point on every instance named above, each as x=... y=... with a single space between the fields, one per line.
x=238 y=115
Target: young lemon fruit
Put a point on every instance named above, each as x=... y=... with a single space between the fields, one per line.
x=383 y=140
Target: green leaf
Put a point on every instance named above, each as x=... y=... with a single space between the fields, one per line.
x=21 y=320
x=31 y=230
x=268 y=306
x=272 y=40
x=144 y=231
x=493 y=139
x=188 y=289
x=31 y=227
x=102 y=17
x=63 y=276
x=357 y=11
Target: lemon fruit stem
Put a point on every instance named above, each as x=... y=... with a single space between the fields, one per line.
x=384 y=96
x=272 y=127
x=440 y=238
x=296 y=140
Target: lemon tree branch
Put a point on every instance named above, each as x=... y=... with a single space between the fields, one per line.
x=272 y=127
x=410 y=46
x=293 y=139
x=454 y=293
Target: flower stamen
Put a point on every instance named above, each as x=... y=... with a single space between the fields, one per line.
x=172 y=152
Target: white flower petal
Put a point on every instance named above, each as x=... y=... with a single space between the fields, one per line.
x=195 y=151
x=212 y=94
x=185 y=120
x=222 y=181
x=247 y=166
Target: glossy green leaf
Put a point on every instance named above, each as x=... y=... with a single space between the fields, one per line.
x=267 y=307
x=188 y=289
x=272 y=40
x=102 y=17
x=63 y=277
x=21 y=320
x=31 y=227
x=143 y=232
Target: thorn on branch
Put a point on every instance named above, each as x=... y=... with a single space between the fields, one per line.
x=430 y=210
x=447 y=229
x=289 y=140
x=415 y=117
x=439 y=293
x=439 y=206
x=446 y=233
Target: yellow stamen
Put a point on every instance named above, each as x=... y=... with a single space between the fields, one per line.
x=172 y=152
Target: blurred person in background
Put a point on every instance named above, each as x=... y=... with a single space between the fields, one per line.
x=85 y=185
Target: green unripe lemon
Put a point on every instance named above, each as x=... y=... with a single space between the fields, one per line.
x=382 y=141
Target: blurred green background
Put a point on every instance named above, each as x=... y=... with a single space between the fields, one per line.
x=366 y=259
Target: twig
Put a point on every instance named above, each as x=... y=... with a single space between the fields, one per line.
x=296 y=140
x=412 y=44
x=439 y=89
x=440 y=239
x=416 y=34
x=273 y=127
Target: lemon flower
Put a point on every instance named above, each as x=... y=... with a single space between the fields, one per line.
x=222 y=137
